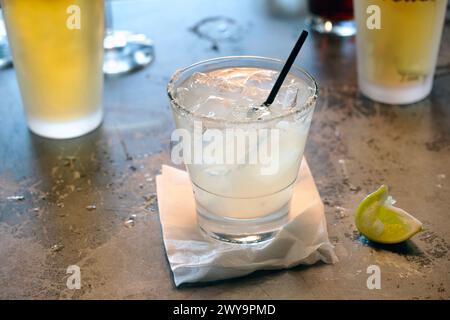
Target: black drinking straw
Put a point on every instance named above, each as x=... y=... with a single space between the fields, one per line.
x=287 y=66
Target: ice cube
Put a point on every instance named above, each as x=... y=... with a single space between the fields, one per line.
x=214 y=107
x=255 y=94
x=194 y=90
x=215 y=82
x=199 y=80
x=261 y=79
x=288 y=96
x=201 y=86
x=229 y=88
x=235 y=75
x=238 y=93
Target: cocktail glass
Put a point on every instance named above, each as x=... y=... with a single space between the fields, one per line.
x=239 y=200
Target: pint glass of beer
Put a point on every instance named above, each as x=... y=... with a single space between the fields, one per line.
x=397 y=48
x=57 y=49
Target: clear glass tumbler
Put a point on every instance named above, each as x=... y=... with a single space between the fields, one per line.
x=397 y=48
x=57 y=48
x=238 y=200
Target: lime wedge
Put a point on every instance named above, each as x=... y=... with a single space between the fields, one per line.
x=378 y=220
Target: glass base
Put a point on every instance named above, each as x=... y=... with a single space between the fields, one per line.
x=344 y=28
x=242 y=231
x=5 y=54
x=65 y=130
x=126 y=52
x=389 y=95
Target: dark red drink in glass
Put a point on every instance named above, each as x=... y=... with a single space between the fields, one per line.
x=332 y=16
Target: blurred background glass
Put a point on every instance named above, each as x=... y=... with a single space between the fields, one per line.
x=5 y=54
x=124 y=51
x=396 y=63
x=287 y=8
x=332 y=17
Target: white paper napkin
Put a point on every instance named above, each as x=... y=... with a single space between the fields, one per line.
x=194 y=257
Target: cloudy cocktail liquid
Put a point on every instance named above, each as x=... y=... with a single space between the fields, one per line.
x=247 y=161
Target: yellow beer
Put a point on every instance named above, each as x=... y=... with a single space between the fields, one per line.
x=57 y=48
x=396 y=62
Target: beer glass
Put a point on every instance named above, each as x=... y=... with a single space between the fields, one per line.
x=397 y=48
x=57 y=48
